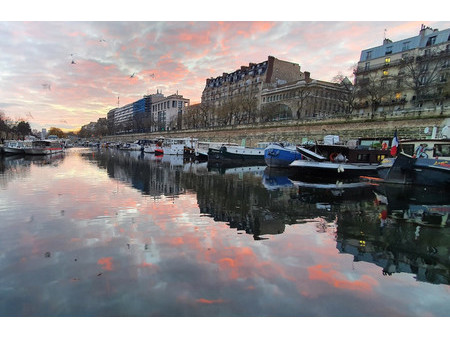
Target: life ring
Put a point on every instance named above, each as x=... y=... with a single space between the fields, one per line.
x=333 y=156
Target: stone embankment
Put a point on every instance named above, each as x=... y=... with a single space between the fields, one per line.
x=298 y=131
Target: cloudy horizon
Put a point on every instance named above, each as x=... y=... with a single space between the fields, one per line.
x=66 y=74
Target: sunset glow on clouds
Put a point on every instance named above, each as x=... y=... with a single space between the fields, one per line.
x=39 y=83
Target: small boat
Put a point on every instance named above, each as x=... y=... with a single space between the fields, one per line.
x=437 y=149
x=203 y=147
x=135 y=146
x=44 y=147
x=280 y=155
x=339 y=161
x=179 y=146
x=151 y=145
x=406 y=169
x=13 y=147
x=237 y=155
x=159 y=151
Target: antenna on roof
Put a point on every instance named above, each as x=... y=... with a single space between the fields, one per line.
x=118 y=101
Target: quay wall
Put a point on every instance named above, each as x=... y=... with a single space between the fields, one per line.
x=296 y=131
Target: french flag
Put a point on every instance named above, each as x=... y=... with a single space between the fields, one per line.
x=394 y=144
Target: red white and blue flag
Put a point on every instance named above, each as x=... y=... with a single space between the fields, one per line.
x=394 y=144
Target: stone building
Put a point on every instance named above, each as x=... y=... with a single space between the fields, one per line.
x=249 y=80
x=410 y=74
x=167 y=112
x=305 y=99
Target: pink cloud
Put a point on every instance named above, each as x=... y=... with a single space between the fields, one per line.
x=326 y=274
x=106 y=263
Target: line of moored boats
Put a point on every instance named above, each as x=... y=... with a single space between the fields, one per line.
x=422 y=162
x=418 y=161
x=33 y=146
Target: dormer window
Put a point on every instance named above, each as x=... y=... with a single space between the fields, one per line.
x=405 y=46
x=431 y=40
x=388 y=50
x=369 y=55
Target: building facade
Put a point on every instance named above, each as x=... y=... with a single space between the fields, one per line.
x=409 y=74
x=305 y=99
x=167 y=112
x=249 y=80
x=151 y=113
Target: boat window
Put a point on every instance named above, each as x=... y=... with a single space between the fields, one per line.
x=442 y=150
x=408 y=149
x=363 y=158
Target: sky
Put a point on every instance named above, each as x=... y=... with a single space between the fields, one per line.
x=68 y=67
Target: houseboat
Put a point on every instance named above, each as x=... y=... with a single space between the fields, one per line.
x=14 y=147
x=44 y=147
x=179 y=146
x=281 y=155
x=236 y=156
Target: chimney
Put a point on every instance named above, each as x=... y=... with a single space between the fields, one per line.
x=307 y=76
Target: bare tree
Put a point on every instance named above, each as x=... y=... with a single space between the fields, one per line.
x=374 y=90
x=300 y=96
x=347 y=99
x=424 y=75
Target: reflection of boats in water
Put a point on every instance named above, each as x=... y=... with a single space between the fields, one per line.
x=422 y=251
x=42 y=160
x=272 y=182
x=415 y=204
x=174 y=160
x=230 y=169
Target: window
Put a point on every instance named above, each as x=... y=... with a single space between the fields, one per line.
x=387 y=60
x=369 y=55
x=442 y=150
x=367 y=66
x=405 y=46
x=388 y=50
x=398 y=96
x=431 y=40
x=385 y=73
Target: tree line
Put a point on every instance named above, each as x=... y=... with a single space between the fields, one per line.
x=19 y=129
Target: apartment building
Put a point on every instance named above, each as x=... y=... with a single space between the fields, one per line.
x=167 y=112
x=249 y=80
x=409 y=74
x=151 y=113
x=305 y=99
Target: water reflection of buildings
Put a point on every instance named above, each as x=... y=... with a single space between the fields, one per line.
x=423 y=251
x=152 y=175
x=418 y=204
x=260 y=203
x=18 y=166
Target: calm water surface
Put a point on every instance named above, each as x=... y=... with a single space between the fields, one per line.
x=110 y=233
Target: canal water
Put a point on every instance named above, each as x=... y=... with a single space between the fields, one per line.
x=114 y=233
